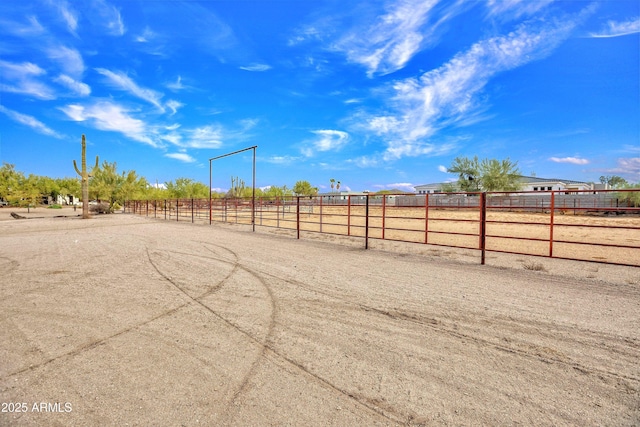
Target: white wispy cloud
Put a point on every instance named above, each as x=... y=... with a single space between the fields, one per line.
x=174 y=105
x=210 y=136
x=617 y=29
x=515 y=8
x=450 y=95
x=123 y=82
x=326 y=140
x=282 y=160
x=392 y=40
x=628 y=167
x=183 y=157
x=23 y=78
x=109 y=116
x=177 y=85
x=31 y=28
x=146 y=36
x=68 y=59
x=442 y=168
x=256 y=67
x=404 y=186
x=69 y=15
x=78 y=88
x=31 y=122
x=572 y=160
x=109 y=17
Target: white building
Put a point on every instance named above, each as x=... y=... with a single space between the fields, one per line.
x=529 y=183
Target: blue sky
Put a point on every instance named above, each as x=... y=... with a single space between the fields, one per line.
x=375 y=94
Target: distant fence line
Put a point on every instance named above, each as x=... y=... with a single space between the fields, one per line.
x=564 y=224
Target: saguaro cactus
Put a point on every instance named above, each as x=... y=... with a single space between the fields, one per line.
x=84 y=174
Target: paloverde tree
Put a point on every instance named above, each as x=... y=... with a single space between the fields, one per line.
x=486 y=175
x=304 y=188
x=107 y=184
x=187 y=188
x=614 y=181
x=9 y=182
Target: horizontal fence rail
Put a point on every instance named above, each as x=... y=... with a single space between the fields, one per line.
x=601 y=226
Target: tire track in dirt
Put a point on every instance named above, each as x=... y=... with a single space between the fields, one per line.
x=439 y=326
x=94 y=344
x=384 y=409
x=100 y=341
x=8 y=265
x=268 y=349
x=198 y=300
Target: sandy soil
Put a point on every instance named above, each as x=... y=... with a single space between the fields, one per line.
x=126 y=320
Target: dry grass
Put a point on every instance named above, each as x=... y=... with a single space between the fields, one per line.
x=533 y=265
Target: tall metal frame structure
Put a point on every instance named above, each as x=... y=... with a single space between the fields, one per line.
x=253 y=185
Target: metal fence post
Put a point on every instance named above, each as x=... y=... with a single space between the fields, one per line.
x=348 y=215
x=551 y=217
x=192 y=211
x=483 y=225
x=298 y=215
x=165 y=209
x=366 y=223
x=177 y=209
x=384 y=211
x=426 y=218
x=320 y=213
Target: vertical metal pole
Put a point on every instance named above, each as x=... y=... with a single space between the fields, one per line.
x=192 y=211
x=253 y=197
x=177 y=210
x=321 y=213
x=384 y=210
x=426 y=218
x=165 y=209
x=483 y=225
x=553 y=209
x=366 y=223
x=348 y=215
x=298 y=215
x=210 y=195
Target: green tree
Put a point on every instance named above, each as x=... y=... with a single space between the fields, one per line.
x=468 y=171
x=633 y=197
x=132 y=187
x=9 y=182
x=109 y=185
x=304 y=188
x=614 y=181
x=500 y=175
x=48 y=187
x=187 y=188
x=275 y=191
x=105 y=183
x=333 y=184
x=28 y=194
x=68 y=186
x=486 y=175
x=449 y=187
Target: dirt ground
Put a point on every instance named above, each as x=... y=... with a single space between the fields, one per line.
x=127 y=320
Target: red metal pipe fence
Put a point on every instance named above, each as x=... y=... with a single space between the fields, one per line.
x=601 y=226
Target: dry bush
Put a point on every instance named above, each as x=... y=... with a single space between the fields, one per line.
x=533 y=265
x=100 y=208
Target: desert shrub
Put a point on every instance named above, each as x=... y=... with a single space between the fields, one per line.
x=532 y=265
x=116 y=206
x=56 y=206
x=100 y=208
